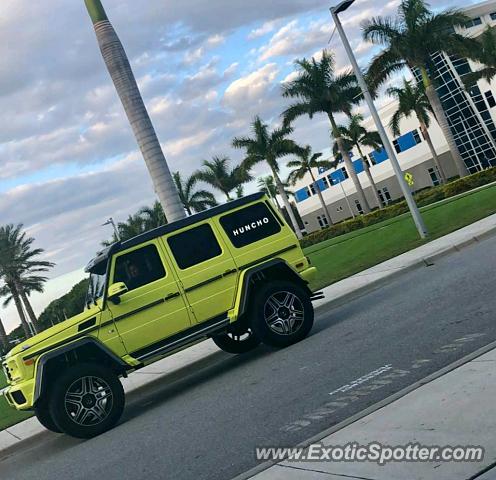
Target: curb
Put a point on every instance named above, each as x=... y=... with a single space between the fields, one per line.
x=331 y=303
x=373 y=408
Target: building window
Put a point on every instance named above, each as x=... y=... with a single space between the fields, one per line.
x=490 y=99
x=359 y=207
x=312 y=189
x=323 y=222
x=325 y=182
x=474 y=22
x=385 y=196
x=416 y=136
x=396 y=146
x=345 y=173
x=339 y=209
x=433 y=173
x=186 y=248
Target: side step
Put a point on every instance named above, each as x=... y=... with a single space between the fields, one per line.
x=317 y=296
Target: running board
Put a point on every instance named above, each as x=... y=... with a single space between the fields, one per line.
x=182 y=339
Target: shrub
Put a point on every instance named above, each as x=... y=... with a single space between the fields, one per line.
x=423 y=198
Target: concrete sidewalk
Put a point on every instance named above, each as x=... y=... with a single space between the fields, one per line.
x=335 y=294
x=457 y=409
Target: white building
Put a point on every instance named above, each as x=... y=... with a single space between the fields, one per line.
x=473 y=122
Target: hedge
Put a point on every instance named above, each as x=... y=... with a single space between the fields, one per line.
x=423 y=198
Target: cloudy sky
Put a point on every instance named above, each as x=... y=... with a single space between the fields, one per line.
x=68 y=158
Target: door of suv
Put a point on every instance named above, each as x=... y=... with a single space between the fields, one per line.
x=153 y=308
x=206 y=270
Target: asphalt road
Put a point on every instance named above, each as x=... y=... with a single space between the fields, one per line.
x=206 y=422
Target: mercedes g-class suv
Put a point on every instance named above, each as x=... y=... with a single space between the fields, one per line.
x=235 y=273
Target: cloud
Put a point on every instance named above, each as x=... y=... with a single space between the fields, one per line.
x=265 y=29
x=294 y=39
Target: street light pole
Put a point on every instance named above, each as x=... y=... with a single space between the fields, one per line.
x=110 y=221
x=417 y=218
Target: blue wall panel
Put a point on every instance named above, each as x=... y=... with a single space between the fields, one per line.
x=302 y=195
x=406 y=141
x=322 y=185
x=380 y=155
x=358 y=164
x=337 y=177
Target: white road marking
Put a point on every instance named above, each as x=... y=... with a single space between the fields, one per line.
x=361 y=380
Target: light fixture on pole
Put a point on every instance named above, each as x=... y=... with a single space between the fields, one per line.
x=417 y=218
x=110 y=221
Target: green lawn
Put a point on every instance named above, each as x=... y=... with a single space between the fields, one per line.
x=8 y=415
x=348 y=254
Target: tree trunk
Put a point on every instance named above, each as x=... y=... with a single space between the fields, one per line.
x=349 y=166
x=120 y=70
x=440 y=115
x=321 y=198
x=428 y=139
x=285 y=199
x=4 y=341
x=369 y=176
x=29 y=309
x=20 y=311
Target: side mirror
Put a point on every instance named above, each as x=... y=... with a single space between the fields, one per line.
x=115 y=292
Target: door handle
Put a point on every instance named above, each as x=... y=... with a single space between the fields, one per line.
x=229 y=272
x=171 y=296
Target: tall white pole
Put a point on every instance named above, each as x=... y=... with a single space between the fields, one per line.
x=347 y=200
x=417 y=218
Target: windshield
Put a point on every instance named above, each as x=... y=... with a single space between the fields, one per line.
x=96 y=285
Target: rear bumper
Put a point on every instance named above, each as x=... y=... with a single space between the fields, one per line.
x=308 y=274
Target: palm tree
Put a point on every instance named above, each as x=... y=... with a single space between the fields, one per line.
x=217 y=174
x=413 y=100
x=410 y=40
x=485 y=54
x=193 y=200
x=4 y=341
x=268 y=185
x=355 y=135
x=269 y=147
x=318 y=89
x=307 y=161
x=153 y=217
x=18 y=261
x=122 y=75
x=27 y=285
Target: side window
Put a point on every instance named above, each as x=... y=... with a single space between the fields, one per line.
x=138 y=268
x=250 y=225
x=194 y=246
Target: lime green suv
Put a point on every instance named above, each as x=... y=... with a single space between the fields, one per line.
x=235 y=273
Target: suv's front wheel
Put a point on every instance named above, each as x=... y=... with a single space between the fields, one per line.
x=282 y=313
x=86 y=401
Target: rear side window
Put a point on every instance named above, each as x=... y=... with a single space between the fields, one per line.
x=250 y=225
x=139 y=267
x=194 y=246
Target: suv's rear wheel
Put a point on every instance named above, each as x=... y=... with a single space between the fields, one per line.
x=86 y=401
x=282 y=313
x=43 y=415
x=237 y=341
